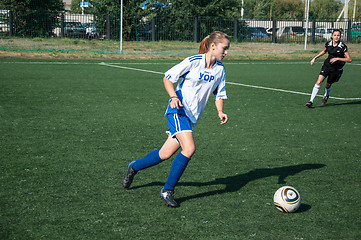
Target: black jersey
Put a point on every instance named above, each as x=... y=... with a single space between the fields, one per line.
x=338 y=51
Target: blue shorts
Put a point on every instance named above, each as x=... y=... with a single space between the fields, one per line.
x=178 y=123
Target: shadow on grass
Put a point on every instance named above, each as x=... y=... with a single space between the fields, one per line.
x=236 y=182
x=344 y=103
x=303 y=208
x=338 y=104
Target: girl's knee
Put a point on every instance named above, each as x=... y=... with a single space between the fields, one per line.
x=165 y=155
x=189 y=151
x=319 y=83
x=320 y=80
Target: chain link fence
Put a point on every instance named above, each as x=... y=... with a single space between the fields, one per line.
x=167 y=28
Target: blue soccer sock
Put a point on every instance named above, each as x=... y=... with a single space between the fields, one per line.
x=179 y=165
x=148 y=161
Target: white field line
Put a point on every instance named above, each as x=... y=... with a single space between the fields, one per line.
x=232 y=83
x=171 y=63
x=116 y=65
x=49 y=63
x=287 y=91
x=164 y=63
x=129 y=68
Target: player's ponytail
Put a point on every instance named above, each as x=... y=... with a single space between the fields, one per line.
x=214 y=37
x=203 y=48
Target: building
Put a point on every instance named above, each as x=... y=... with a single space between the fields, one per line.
x=67 y=4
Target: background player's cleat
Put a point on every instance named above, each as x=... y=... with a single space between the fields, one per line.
x=168 y=197
x=128 y=178
x=324 y=100
x=309 y=104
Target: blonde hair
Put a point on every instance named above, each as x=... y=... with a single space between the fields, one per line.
x=215 y=37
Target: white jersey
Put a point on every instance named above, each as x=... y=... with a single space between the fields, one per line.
x=196 y=84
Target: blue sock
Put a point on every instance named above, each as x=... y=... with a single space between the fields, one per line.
x=179 y=165
x=150 y=160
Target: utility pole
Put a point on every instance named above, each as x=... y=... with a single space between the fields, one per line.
x=307 y=10
x=345 y=12
x=121 y=28
x=82 y=7
x=354 y=11
x=242 y=10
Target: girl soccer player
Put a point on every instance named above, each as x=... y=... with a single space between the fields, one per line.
x=332 y=67
x=198 y=77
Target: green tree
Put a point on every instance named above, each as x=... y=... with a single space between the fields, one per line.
x=258 y=9
x=288 y=9
x=325 y=9
x=221 y=8
x=75 y=7
x=357 y=12
x=33 y=18
x=169 y=14
x=211 y=15
x=262 y=9
x=278 y=9
x=134 y=14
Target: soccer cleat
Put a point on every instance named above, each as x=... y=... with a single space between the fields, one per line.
x=324 y=100
x=168 y=197
x=308 y=104
x=128 y=178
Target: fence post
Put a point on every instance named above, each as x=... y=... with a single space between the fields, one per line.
x=235 y=34
x=195 y=30
x=108 y=27
x=11 y=23
x=153 y=29
x=62 y=25
x=313 y=30
x=274 y=32
x=349 y=31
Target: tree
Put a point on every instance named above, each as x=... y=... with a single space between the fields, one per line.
x=188 y=8
x=258 y=9
x=263 y=9
x=33 y=17
x=358 y=9
x=288 y=9
x=277 y=9
x=75 y=7
x=325 y=9
x=109 y=10
x=209 y=15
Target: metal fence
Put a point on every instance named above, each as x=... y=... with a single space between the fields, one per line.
x=170 y=28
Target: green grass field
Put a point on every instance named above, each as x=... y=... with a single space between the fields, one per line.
x=68 y=129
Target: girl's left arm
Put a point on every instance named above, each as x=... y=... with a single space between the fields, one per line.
x=221 y=114
x=346 y=59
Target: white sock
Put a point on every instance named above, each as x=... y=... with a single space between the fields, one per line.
x=327 y=91
x=314 y=92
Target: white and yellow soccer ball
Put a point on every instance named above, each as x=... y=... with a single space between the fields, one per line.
x=287 y=199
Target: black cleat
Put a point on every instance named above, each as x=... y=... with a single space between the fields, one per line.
x=308 y=104
x=128 y=178
x=324 y=100
x=168 y=197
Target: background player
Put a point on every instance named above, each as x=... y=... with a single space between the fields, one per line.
x=332 y=67
x=198 y=77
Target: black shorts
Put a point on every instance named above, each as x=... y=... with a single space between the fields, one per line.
x=332 y=75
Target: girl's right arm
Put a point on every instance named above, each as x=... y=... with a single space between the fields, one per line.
x=168 y=85
x=318 y=55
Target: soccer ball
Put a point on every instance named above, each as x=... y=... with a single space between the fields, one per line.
x=287 y=199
